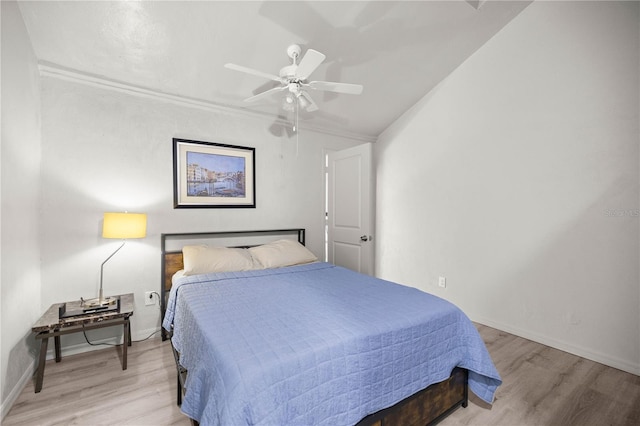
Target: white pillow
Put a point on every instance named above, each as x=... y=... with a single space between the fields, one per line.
x=282 y=253
x=179 y=274
x=202 y=259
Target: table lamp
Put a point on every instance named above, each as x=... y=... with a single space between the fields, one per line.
x=123 y=226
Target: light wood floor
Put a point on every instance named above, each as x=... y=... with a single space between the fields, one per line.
x=542 y=386
x=92 y=389
x=545 y=386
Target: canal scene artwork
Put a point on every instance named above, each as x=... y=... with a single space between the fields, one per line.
x=215 y=175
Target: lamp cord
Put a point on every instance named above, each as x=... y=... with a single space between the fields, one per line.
x=84 y=332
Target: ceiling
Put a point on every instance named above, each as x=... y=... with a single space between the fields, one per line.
x=398 y=50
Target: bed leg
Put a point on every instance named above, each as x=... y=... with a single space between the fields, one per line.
x=179 y=396
x=465 y=401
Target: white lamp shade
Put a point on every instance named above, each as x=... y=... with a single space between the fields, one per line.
x=124 y=225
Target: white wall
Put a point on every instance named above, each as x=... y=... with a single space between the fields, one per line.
x=517 y=179
x=107 y=150
x=20 y=162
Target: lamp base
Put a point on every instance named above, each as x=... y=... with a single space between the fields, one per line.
x=81 y=307
x=99 y=302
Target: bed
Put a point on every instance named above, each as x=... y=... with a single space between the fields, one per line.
x=274 y=343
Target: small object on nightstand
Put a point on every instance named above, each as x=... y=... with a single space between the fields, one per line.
x=97 y=303
x=73 y=309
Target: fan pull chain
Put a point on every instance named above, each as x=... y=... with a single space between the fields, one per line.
x=295 y=129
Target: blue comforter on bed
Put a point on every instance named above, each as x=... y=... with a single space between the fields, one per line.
x=314 y=344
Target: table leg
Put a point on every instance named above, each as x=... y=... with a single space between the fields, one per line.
x=41 y=362
x=129 y=334
x=127 y=340
x=56 y=344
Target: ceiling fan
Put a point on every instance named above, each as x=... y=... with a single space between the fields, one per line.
x=293 y=80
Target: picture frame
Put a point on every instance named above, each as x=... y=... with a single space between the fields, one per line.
x=213 y=175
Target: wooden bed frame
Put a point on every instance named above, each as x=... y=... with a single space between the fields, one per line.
x=426 y=407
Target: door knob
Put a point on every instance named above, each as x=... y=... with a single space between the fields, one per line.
x=364 y=238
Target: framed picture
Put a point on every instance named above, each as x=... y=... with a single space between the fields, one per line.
x=213 y=175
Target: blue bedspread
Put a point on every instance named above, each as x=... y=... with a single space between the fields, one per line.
x=314 y=344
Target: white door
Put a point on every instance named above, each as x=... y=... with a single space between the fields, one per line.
x=350 y=209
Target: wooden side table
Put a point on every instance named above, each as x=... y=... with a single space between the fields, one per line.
x=51 y=325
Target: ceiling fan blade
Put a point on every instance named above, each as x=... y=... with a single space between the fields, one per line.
x=253 y=72
x=311 y=60
x=348 y=88
x=265 y=94
x=308 y=104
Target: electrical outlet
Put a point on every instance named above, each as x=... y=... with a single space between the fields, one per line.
x=442 y=282
x=148 y=298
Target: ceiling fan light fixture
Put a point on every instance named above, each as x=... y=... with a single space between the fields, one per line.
x=302 y=101
x=288 y=103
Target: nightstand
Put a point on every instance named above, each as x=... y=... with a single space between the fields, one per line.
x=51 y=324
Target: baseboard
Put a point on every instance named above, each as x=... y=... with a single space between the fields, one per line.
x=605 y=359
x=15 y=392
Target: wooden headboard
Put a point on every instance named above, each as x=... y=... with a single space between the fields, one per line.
x=171 y=248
